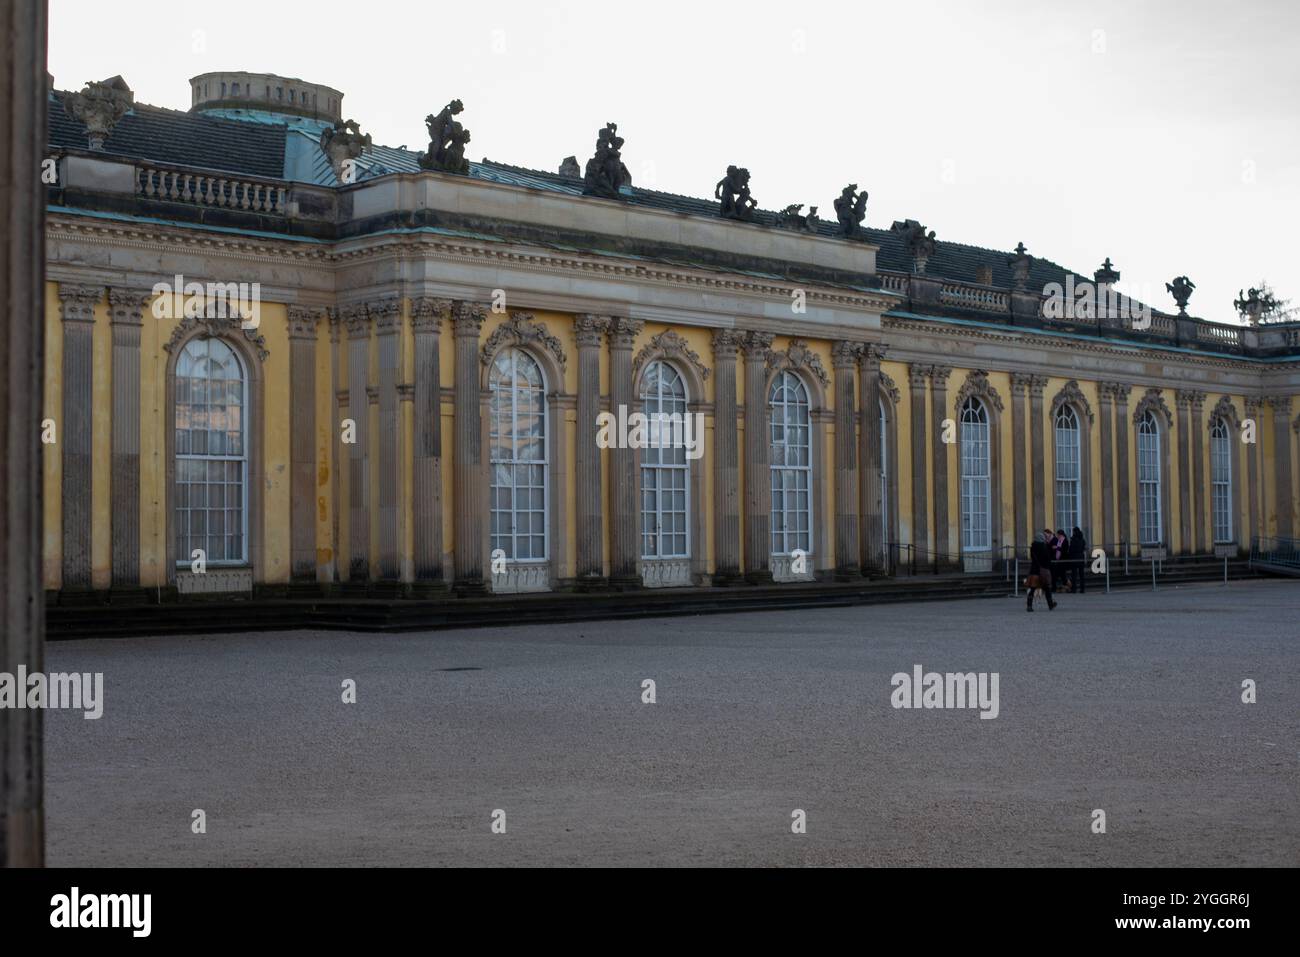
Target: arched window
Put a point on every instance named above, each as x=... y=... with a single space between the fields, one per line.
x=665 y=469
x=791 y=458
x=1221 y=479
x=518 y=457
x=234 y=89
x=975 y=525
x=1069 y=478
x=211 y=454
x=1148 y=474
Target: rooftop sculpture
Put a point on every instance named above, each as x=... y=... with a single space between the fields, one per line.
x=733 y=191
x=447 y=141
x=342 y=144
x=851 y=209
x=791 y=218
x=605 y=173
x=1181 y=289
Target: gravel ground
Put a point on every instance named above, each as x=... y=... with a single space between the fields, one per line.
x=1129 y=703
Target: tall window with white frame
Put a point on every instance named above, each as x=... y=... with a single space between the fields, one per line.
x=976 y=533
x=665 y=469
x=1148 y=475
x=211 y=447
x=1069 y=484
x=518 y=457
x=1221 y=449
x=791 y=464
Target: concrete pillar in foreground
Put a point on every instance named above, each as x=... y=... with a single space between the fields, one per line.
x=726 y=459
x=844 y=360
x=22 y=354
x=758 y=474
x=624 y=537
x=469 y=480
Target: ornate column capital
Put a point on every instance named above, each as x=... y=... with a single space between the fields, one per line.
x=1281 y=404
x=354 y=317
x=1253 y=405
x=623 y=331
x=1036 y=383
x=126 y=306
x=386 y=314
x=467 y=319
x=1121 y=392
x=1189 y=398
x=427 y=313
x=845 y=354
x=918 y=374
x=304 y=321
x=939 y=376
x=77 y=302
x=757 y=345
x=726 y=342
x=588 y=328
x=1019 y=383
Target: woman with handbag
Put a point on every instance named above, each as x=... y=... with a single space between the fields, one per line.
x=1040 y=570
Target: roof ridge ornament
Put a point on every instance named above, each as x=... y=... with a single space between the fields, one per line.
x=1020 y=265
x=99 y=107
x=1181 y=289
x=733 y=192
x=851 y=210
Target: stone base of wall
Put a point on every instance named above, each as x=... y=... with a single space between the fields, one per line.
x=216 y=581
x=666 y=573
x=522 y=578
x=783 y=569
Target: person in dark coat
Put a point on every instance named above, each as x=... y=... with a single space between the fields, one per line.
x=1040 y=566
x=1078 y=556
x=1060 y=547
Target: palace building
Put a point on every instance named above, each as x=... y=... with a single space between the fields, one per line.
x=282 y=357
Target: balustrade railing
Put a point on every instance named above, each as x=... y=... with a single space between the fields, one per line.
x=211 y=189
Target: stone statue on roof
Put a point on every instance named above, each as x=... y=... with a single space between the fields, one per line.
x=733 y=191
x=605 y=173
x=851 y=210
x=343 y=143
x=447 y=139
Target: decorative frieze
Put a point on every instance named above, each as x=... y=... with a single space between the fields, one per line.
x=521 y=329
x=794 y=357
x=670 y=345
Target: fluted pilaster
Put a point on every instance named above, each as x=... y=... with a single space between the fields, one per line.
x=624 y=537
x=726 y=459
x=303 y=324
x=77 y=307
x=427 y=316
x=917 y=376
x=1282 y=462
x=873 y=539
x=469 y=486
x=758 y=475
x=1020 y=488
x=1124 y=486
x=1106 y=401
x=358 y=326
x=589 y=331
x=844 y=361
x=942 y=543
x=386 y=315
x=1043 y=514
x=125 y=310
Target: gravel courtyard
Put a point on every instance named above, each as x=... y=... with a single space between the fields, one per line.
x=1130 y=703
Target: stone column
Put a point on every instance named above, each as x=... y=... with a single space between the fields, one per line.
x=875 y=527
x=1183 y=401
x=1253 y=409
x=1038 y=455
x=844 y=360
x=625 y=519
x=1106 y=402
x=426 y=482
x=589 y=332
x=125 y=315
x=726 y=459
x=386 y=314
x=332 y=570
x=1123 y=511
x=303 y=322
x=1282 y=461
x=1019 y=385
x=917 y=376
x=938 y=412
x=22 y=352
x=76 y=429
x=469 y=481
x=358 y=325
x=758 y=473
x=1202 y=521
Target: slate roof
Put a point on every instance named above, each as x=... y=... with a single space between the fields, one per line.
x=257 y=145
x=184 y=139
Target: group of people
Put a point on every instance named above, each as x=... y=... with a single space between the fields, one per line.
x=1055 y=558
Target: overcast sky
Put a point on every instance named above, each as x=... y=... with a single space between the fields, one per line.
x=1161 y=134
